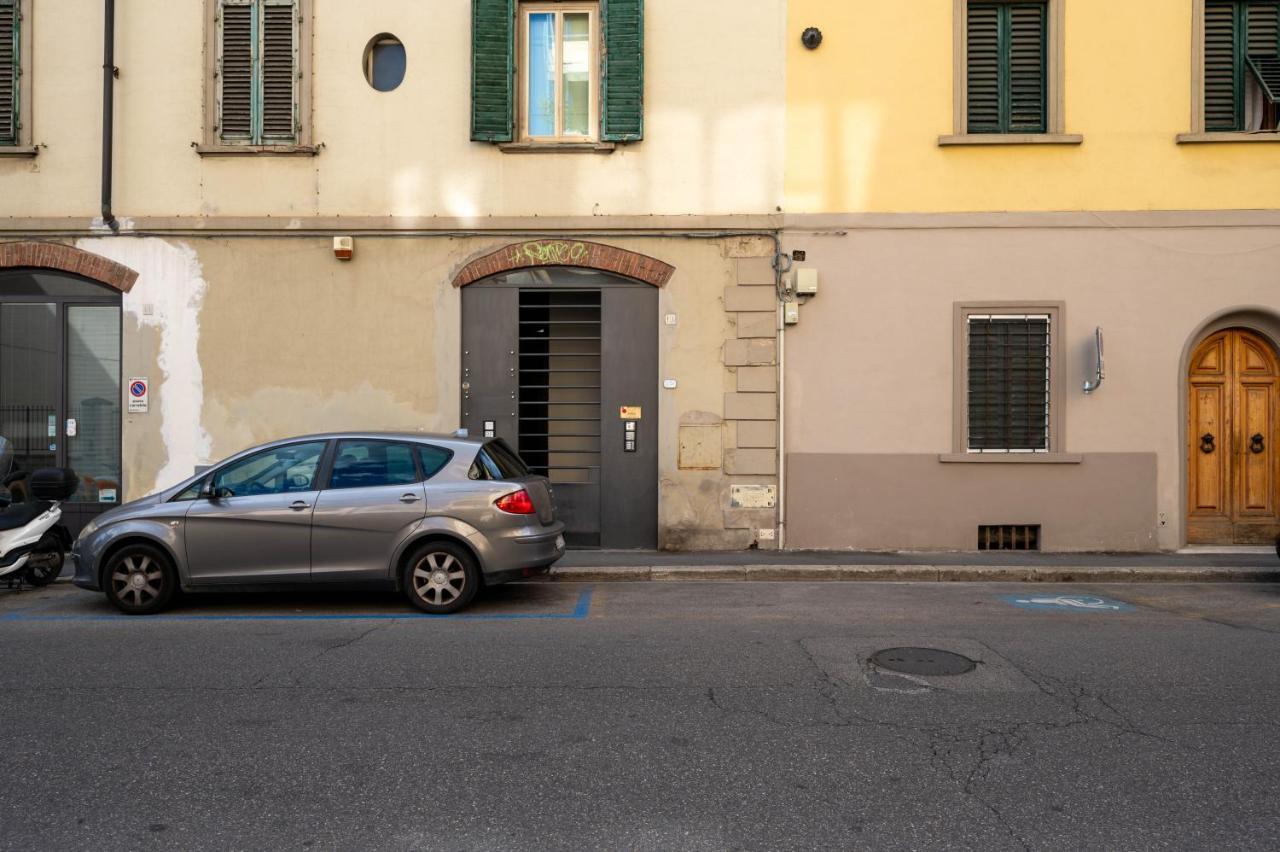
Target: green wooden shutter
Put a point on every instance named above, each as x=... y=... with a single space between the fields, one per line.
x=1007 y=79
x=1263 y=47
x=622 y=71
x=9 y=72
x=235 y=71
x=1223 y=105
x=493 y=40
x=983 y=68
x=279 y=75
x=1027 y=83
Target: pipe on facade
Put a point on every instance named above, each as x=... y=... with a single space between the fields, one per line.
x=108 y=110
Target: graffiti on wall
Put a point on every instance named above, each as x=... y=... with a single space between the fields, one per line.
x=548 y=252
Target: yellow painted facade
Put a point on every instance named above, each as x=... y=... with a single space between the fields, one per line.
x=865 y=111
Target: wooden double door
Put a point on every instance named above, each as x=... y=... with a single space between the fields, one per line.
x=1232 y=440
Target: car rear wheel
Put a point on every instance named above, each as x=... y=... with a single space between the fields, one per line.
x=441 y=577
x=140 y=580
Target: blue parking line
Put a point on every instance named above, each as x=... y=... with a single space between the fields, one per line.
x=580 y=613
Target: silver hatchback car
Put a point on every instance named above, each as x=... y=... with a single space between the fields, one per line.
x=435 y=517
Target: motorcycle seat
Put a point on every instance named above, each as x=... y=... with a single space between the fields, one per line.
x=20 y=514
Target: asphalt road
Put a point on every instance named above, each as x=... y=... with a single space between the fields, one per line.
x=645 y=716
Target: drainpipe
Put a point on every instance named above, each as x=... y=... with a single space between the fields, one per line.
x=108 y=110
x=782 y=265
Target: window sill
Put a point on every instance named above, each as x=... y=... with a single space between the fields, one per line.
x=556 y=147
x=257 y=150
x=1011 y=458
x=961 y=139
x=17 y=151
x=1230 y=136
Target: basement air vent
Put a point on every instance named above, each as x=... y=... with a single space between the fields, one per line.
x=1009 y=537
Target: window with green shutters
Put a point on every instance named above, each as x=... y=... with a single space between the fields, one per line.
x=543 y=100
x=1007 y=67
x=10 y=71
x=1241 y=64
x=258 y=79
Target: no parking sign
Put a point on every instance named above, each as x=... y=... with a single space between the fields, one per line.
x=139 y=395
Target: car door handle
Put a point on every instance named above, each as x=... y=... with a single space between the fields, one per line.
x=299 y=505
x=409 y=498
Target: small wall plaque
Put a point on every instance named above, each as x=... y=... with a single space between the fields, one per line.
x=753 y=496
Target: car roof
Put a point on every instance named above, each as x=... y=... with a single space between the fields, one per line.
x=453 y=442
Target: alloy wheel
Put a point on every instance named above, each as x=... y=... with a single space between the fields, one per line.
x=439 y=578
x=138 y=580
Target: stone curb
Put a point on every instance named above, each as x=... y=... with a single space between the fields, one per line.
x=917 y=573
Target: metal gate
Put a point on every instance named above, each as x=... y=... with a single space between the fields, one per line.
x=563 y=364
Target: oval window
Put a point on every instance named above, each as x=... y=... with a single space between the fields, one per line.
x=384 y=62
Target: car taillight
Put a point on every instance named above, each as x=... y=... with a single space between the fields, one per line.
x=516 y=503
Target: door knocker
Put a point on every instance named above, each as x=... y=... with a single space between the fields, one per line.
x=1256 y=444
x=1206 y=443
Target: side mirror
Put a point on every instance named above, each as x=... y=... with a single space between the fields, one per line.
x=208 y=492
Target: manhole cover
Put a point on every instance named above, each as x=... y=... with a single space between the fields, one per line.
x=922 y=661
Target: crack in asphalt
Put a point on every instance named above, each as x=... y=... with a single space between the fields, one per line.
x=345 y=643
x=966 y=754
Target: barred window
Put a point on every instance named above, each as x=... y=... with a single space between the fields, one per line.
x=1008 y=383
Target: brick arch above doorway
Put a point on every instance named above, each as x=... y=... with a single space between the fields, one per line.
x=39 y=255
x=566 y=252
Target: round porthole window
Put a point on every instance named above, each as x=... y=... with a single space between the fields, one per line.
x=384 y=62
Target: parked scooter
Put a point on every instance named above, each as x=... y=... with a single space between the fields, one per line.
x=33 y=540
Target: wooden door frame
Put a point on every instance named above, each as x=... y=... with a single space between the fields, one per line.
x=1258 y=320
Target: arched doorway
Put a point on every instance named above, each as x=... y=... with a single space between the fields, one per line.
x=60 y=393
x=562 y=363
x=1232 y=435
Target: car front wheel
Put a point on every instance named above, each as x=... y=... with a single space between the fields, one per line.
x=140 y=580
x=441 y=577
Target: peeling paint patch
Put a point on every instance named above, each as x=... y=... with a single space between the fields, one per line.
x=168 y=296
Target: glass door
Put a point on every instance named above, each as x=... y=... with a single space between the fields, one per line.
x=92 y=427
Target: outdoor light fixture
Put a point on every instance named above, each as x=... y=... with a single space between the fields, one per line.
x=811 y=38
x=1100 y=374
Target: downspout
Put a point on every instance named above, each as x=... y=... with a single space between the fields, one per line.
x=108 y=110
x=781 y=266
x=782 y=429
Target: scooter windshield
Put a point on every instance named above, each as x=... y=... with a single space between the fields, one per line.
x=6 y=457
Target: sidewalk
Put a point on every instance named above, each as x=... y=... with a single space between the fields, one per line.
x=1250 y=566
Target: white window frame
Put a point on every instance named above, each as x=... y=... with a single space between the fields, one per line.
x=559 y=9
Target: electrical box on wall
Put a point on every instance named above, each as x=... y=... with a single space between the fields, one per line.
x=791 y=312
x=806 y=282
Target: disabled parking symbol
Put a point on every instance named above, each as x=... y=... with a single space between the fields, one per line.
x=1068 y=603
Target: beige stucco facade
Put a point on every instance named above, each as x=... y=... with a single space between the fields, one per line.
x=250 y=339
x=713 y=115
x=250 y=329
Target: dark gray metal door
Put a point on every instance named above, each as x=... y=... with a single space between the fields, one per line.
x=629 y=454
x=550 y=358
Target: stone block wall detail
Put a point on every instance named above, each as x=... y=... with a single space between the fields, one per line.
x=751 y=401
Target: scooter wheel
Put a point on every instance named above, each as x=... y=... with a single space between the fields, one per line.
x=44 y=566
x=139 y=580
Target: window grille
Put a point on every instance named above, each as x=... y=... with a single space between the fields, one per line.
x=1008 y=387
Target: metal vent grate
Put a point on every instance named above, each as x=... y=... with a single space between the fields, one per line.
x=1009 y=537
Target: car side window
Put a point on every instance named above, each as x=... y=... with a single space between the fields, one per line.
x=191 y=492
x=432 y=459
x=368 y=464
x=279 y=470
